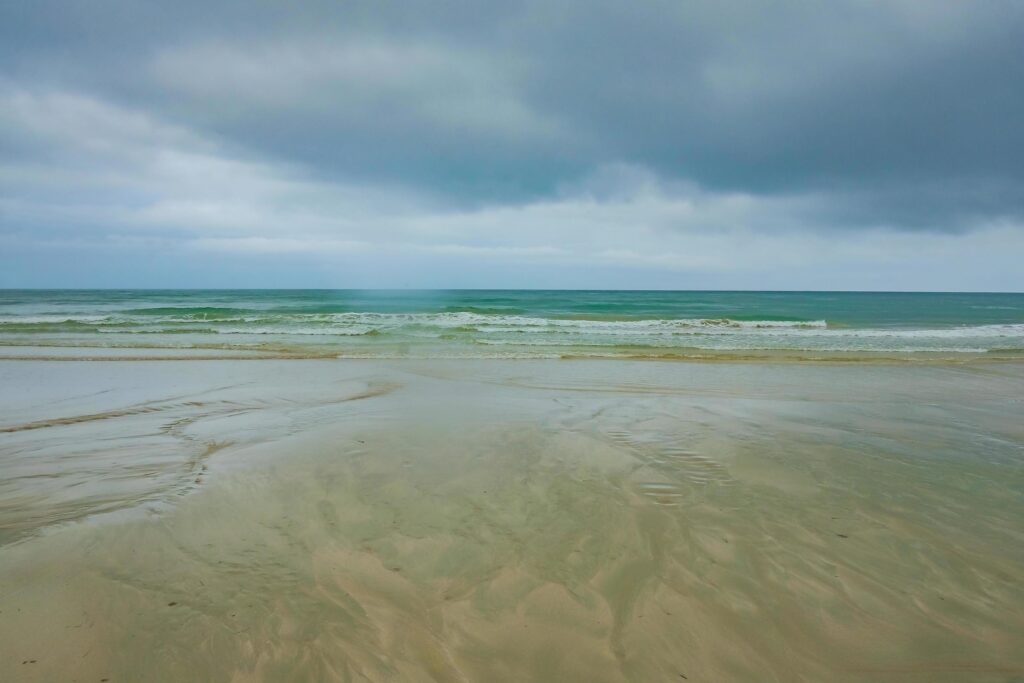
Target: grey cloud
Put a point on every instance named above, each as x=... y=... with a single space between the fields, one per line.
x=649 y=134
x=506 y=100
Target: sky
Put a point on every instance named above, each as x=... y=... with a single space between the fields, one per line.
x=642 y=144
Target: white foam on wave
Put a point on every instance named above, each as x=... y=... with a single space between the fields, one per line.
x=533 y=332
x=51 y=319
x=963 y=332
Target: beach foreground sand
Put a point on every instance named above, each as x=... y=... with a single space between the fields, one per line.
x=511 y=521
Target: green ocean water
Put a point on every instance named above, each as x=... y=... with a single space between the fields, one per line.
x=507 y=323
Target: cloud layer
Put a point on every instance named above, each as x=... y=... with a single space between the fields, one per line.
x=848 y=145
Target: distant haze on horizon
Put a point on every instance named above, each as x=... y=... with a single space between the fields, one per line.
x=847 y=145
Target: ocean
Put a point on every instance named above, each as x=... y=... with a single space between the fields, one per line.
x=511 y=323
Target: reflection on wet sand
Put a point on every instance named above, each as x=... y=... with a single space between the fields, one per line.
x=541 y=521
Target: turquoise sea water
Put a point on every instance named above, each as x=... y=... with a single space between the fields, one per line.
x=527 y=323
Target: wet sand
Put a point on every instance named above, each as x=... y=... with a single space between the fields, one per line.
x=511 y=521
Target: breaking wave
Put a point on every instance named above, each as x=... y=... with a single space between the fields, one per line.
x=459 y=333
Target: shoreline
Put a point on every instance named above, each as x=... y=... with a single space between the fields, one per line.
x=213 y=353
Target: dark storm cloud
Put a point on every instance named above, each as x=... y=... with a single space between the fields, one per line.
x=501 y=100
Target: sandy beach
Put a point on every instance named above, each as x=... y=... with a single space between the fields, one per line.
x=511 y=342
x=511 y=521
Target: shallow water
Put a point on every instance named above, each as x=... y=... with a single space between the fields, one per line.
x=511 y=521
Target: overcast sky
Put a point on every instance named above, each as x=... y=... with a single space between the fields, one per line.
x=582 y=144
